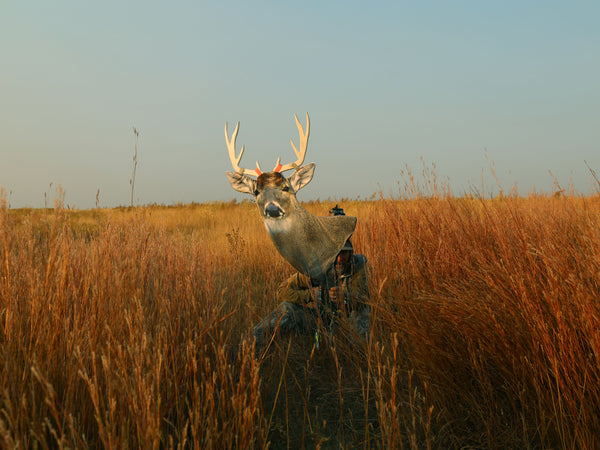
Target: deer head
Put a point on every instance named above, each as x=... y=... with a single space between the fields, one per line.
x=308 y=243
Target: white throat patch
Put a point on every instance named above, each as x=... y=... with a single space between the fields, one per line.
x=278 y=226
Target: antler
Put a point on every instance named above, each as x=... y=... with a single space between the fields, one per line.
x=235 y=160
x=303 y=145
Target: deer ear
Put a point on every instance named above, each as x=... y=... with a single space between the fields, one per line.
x=241 y=183
x=302 y=176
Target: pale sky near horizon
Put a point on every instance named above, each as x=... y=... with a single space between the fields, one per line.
x=385 y=83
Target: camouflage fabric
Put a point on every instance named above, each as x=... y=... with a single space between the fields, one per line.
x=353 y=282
x=303 y=304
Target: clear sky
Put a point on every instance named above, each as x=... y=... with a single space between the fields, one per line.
x=385 y=83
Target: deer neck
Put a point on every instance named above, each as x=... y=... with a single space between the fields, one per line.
x=310 y=243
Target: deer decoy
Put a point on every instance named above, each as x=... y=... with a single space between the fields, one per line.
x=309 y=243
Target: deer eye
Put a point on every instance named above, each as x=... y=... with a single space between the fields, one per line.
x=256 y=192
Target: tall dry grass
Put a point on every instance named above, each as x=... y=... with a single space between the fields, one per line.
x=127 y=328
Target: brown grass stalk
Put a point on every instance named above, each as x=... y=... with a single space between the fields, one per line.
x=129 y=330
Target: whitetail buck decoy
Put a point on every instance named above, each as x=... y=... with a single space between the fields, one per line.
x=309 y=243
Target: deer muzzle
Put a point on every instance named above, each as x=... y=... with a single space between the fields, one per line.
x=273 y=211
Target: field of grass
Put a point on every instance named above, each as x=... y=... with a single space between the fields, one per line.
x=127 y=328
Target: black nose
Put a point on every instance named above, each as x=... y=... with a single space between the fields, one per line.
x=273 y=211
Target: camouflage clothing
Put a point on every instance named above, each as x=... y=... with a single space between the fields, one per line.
x=303 y=303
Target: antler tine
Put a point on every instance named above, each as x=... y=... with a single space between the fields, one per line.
x=303 y=146
x=235 y=160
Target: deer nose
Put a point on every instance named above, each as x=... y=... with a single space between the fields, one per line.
x=274 y=211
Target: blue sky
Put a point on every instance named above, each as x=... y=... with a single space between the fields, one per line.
x=385 y=84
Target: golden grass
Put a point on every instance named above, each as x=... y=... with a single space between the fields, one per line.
x=126 y=328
